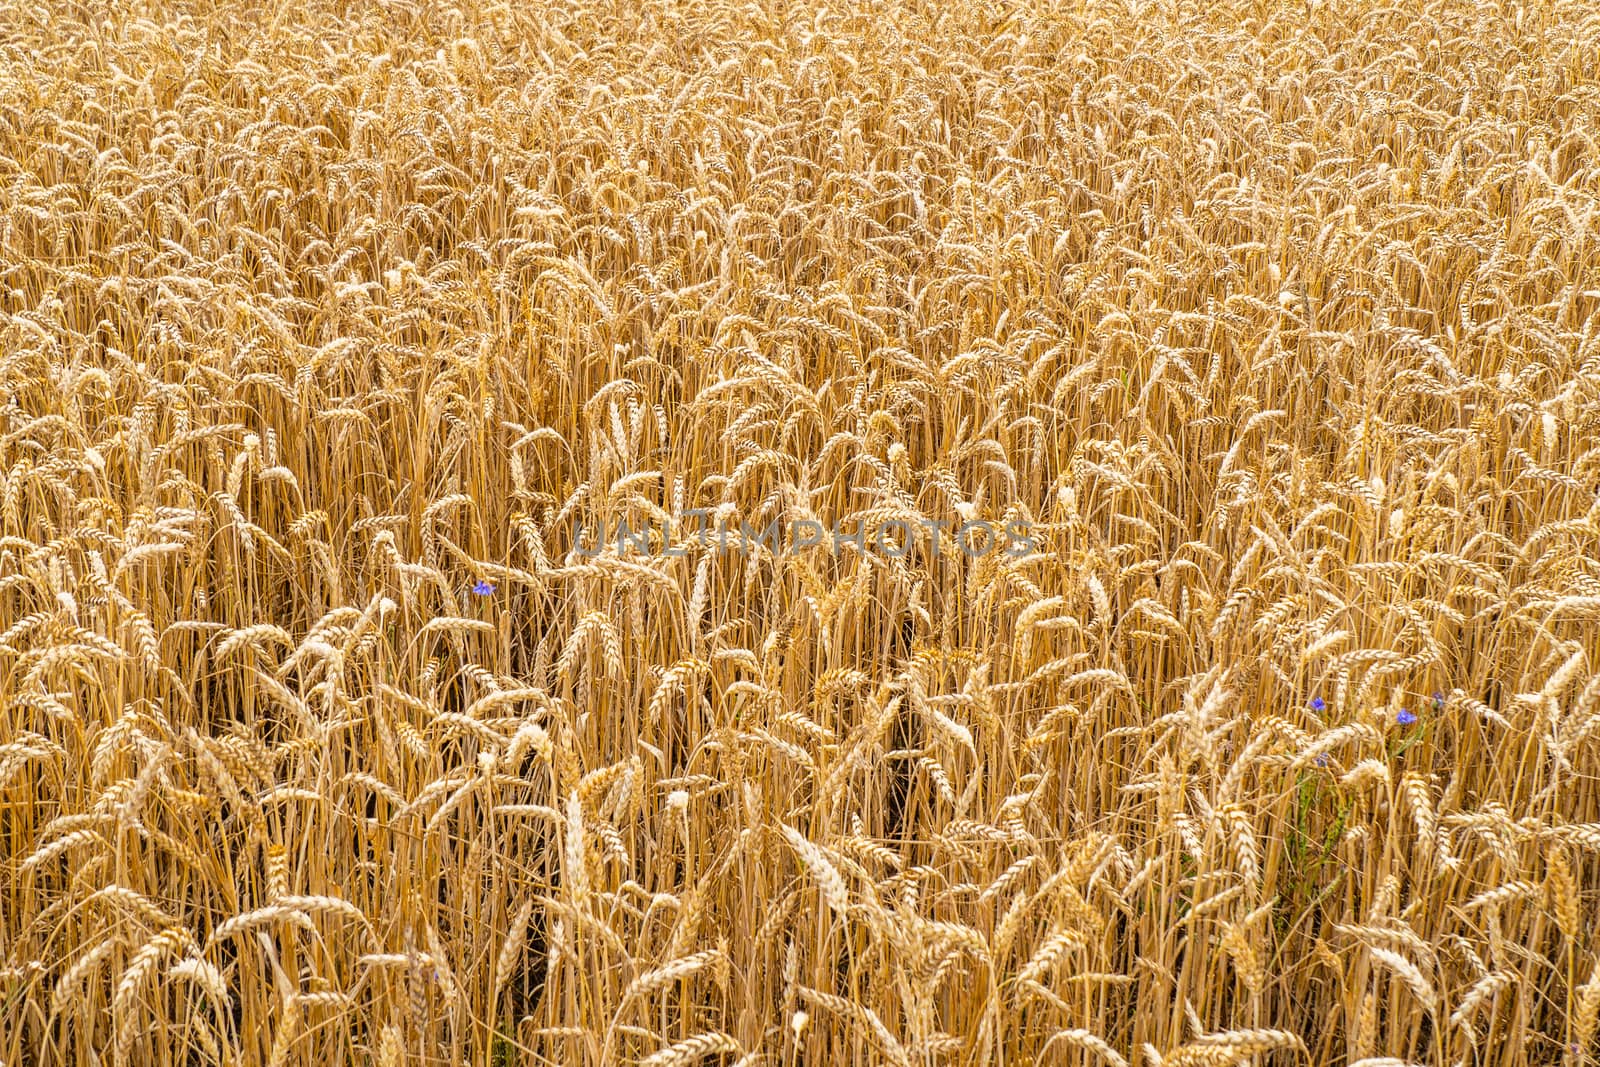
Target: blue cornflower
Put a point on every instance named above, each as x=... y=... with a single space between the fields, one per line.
x=1322 y=760
x=1404 y=717
x=1438 y=700
x=482 y=587
x=1318 y=704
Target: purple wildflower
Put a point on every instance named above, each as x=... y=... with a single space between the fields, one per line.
x=1318 y=704
x=482 y=587
x=1404 y=717
x=1438 y=700
x=1322 y=760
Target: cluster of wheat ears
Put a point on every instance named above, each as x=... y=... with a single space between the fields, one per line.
x=325 y=327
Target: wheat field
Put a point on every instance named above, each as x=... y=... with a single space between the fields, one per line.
x=327 y=329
